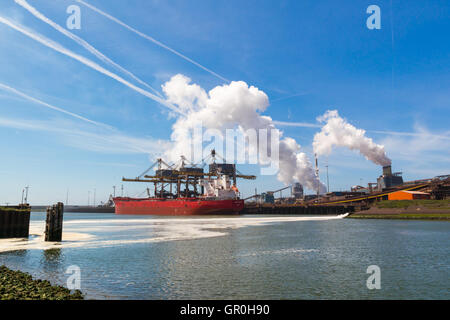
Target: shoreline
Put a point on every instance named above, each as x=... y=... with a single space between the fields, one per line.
x=18 y=285
x=407 y=210
x=403 y=216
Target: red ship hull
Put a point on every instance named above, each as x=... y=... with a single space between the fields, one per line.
x=177 y=207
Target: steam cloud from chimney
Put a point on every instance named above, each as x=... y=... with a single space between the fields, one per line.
x=230 y=106
x=337 y=132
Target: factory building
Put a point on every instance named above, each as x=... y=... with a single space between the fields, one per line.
x=388 y=179
x=408 y=195
x=297 y=191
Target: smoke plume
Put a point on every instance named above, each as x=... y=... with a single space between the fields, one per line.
x=337 y=132
x=234 y=105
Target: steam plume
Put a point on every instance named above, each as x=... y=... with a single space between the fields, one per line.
x=338 y=132
x=234 y=105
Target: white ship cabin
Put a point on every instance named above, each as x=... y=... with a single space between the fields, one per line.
x=219 y=188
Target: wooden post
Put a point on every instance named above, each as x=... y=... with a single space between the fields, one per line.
x=54 y=223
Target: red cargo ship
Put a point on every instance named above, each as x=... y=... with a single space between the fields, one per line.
x=182 y=207
x=218 y=196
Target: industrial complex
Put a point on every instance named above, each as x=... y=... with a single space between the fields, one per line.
x=389 y=186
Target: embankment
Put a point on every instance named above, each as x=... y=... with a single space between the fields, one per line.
x=407 y=209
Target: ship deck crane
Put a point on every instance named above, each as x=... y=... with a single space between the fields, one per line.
x=179 y=174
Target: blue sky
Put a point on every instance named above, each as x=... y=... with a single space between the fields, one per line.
x=307 y=56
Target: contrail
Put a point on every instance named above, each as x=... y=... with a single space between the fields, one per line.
x=394 y=133
x=23 y=95
x=109 y=141
x=297 y=124
x=412 y=134
x=143 y=35
x=82 y=42
x=57 y=47
x=291 y=96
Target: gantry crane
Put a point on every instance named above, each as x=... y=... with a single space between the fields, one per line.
x=168 y=175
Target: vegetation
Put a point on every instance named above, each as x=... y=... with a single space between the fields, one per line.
x=17 y=285
x=411 y=216
x=405 y=204
x=7 y=209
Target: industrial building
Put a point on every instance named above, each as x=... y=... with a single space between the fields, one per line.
x=408 y=195
x=388 y=179
x=297 y=191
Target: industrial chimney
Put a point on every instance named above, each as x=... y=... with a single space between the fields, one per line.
x=387 y=171
x=388 y=180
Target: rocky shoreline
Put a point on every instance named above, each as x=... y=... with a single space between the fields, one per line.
x=18 y=285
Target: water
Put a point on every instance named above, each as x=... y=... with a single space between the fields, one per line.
x=130 y=257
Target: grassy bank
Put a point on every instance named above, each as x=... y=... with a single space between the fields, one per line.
x=409 y=216
x=407 y=209
x=405 y=204
x=17 y=285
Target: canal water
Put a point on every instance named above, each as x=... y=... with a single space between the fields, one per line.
x=244 y=257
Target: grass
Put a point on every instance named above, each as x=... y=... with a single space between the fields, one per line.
x=405 y=204
x=412 y=216
x=18 y=285
x=8 y=209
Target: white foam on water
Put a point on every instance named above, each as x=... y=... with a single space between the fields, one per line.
x=82 y=233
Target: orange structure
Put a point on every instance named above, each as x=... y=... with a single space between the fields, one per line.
x=408 y=195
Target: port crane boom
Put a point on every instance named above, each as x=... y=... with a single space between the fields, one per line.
x=268 y=192
x=178 y=174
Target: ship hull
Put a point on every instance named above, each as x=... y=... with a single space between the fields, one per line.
x=177 y=207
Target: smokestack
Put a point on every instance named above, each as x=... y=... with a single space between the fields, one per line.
x=317 y=174
x=387 y=171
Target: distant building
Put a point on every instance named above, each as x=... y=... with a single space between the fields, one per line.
x=309 y=197
x=266 y=198
x=297 y=191
x=388 y=179
x=408 y=195
x=360 y=189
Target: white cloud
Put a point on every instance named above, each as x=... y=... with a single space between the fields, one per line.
x=421 y=152
x=230 y=106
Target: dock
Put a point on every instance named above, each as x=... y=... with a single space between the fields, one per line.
x=299 y=210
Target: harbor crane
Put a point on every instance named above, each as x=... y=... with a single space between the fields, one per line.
x=178 y=174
